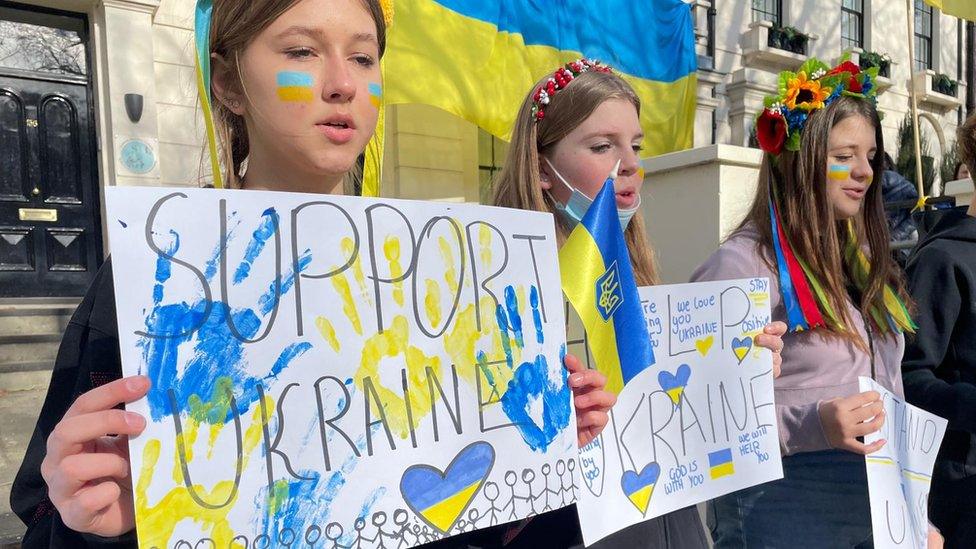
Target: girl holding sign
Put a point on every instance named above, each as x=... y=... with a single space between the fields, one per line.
x=566 y=140
x=817 y=230
x=295 y=84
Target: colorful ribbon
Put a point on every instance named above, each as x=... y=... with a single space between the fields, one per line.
x=201 y=31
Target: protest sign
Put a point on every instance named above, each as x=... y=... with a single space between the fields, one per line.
x=900 y=473
x=699 y=423
x=337 y=371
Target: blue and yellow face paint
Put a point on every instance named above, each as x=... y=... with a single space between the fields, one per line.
x=838 y=172
x=295 y=87
x=375 y=94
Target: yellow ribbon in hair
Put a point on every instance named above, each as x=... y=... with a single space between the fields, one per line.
x=894 y=306
x=202 y=17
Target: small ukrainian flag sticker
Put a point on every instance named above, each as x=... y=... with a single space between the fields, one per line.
x=720 y=463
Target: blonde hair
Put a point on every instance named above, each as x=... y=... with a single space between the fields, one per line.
x=518 y=184
x=234 y=25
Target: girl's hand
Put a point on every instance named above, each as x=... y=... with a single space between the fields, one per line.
x=845 y=419
x=772 y=339
x=87 y=463
x=591 y=401
x=935 y=541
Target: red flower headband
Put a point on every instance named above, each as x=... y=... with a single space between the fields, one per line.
x=559 y=80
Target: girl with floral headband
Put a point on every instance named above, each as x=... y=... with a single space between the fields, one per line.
x=294 y=85
x=817 y=230
x=572 y=128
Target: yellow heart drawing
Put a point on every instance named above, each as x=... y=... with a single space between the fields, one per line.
x=641 y=499
x=704 y=345
x=740 y=353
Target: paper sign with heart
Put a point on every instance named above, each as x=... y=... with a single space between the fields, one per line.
x=674 y=384
x=439 y=498
x=639 y=487
x=741 y=347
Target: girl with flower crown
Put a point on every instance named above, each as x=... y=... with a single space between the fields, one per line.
x=572 y=128
x=74 y=488
x=817 y=230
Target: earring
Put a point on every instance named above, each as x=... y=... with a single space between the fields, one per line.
x=235 y=104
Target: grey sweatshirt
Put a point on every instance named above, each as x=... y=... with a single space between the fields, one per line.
x=816 y=367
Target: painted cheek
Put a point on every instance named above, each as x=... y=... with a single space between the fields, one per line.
x=295 y=87
x=838 y=173
x=375 y=94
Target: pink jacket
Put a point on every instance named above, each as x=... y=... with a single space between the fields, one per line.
x=816 y=367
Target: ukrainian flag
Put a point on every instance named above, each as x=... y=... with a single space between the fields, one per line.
x=963 y=9
x=599 y=282
x=478 y=58
x=720 y=463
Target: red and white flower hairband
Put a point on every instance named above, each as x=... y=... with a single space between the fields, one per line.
x=559 y=80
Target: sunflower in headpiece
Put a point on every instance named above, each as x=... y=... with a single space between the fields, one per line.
x=805 y=94
x=811 y=88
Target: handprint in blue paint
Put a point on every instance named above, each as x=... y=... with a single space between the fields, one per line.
x=538 y=405
x=217 y=331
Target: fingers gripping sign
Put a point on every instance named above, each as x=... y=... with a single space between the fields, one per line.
x=86 y=467
x=846 y=419
x=590 y=398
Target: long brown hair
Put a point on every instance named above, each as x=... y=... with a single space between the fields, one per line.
x=518 y=184
x=234 y=25
x=797 y=183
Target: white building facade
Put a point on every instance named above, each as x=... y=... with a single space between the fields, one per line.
x=739 y=62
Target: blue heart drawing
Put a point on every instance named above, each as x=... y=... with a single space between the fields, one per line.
x=639 y=487
x=741 y=347
x=440 y=498
x=674 y=384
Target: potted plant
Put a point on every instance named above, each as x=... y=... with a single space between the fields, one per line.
x=944 y=85
x=798 y=41
x=776 y=37
x=788 y=39
x=870 y=59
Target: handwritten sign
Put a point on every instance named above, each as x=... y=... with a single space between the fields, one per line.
x=341 y=372
x=699 y=423
x=900 y=473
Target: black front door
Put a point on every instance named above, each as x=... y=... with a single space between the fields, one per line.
x=50 y=228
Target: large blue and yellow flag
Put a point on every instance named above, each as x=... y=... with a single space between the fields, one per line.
x=599 y=282
x=479 y=58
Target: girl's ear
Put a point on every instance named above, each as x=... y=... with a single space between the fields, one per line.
x=545 y=180
x=226 y=84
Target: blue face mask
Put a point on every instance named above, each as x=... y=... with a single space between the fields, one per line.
x=575 y=208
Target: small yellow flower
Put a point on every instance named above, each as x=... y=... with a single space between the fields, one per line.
x=805 y=94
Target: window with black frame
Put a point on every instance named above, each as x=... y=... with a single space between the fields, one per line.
x=768 y=10
x=851 y=24
x=491 y=158
x=923 y=35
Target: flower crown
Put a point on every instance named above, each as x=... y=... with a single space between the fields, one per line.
x=559 y=80
x=814 y=86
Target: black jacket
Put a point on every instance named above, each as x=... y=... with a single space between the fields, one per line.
x=88 y=357
x=940 y=361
